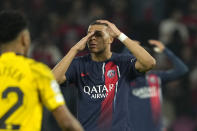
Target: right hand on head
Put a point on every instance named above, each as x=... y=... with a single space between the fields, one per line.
x=113 y=30
x=80 y=46
x=159 y=45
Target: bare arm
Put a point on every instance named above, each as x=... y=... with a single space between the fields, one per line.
x=145 y=61
x=66 y=120
x=60 y=69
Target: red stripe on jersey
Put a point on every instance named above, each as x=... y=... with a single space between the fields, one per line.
x=111 y=78
x=154 y=84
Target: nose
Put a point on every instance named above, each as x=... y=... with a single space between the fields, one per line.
x=93 y=37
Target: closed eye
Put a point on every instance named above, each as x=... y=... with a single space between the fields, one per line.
x=98 y=34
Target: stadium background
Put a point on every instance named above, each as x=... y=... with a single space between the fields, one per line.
x=56 y=25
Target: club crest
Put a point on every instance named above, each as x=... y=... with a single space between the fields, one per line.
x=111 y=73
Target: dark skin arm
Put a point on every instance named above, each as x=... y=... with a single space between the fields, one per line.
x=66 y=120
x=60 y=69
x=144 y=61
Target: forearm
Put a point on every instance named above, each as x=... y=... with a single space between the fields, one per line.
x=144 y=60
x=66 y=120
x=143 y=57
x=60 y=69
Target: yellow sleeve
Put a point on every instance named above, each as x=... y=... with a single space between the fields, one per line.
x=49 y=90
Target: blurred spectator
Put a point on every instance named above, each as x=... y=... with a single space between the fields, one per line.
x=149 y=10
x=96 y=11
x=188 y=56
x=184 y=123
x=190 y=19
x=44 y=50
x=68 y=32
x=7 y=5
x=172 y=25
x=173 y=32
x=193 y=86
x=120 y=17
x=168 y=112
x=58 y=24
x=80 y=11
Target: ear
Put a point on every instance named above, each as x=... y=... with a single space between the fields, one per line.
x=110 y=39
x=25 y=38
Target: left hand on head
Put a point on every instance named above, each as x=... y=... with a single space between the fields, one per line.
x=82 y=43
x=113 y=30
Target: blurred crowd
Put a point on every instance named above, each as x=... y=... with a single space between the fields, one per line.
x=56 y=25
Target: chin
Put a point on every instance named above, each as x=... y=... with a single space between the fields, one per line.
x=93 y=50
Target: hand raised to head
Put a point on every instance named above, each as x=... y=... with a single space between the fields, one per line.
x=82 y=43
x=159 y=45
x=113 y=30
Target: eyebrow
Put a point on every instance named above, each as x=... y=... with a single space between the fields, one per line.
x=95 y=31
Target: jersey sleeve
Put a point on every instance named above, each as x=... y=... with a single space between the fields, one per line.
x=178 y=69
x=48 y=88
x=129 y=64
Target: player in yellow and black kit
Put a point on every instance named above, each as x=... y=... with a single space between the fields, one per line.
x=26 y=85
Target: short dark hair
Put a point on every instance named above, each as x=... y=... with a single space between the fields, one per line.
x=11 y=24
x=97 y=23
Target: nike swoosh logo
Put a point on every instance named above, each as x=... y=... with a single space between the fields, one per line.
x=84 y=74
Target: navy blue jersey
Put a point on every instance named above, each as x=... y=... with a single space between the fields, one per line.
x=103 y=91
x=145 y=95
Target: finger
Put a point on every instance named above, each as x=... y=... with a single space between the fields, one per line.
x=90 y=34
x=87 y=36
x=152 y=42
x=99 y=20
x=104 y=22
x=156 y=42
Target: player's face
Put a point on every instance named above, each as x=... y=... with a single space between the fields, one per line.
x=99 y=41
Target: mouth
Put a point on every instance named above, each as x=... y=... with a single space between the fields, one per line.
x=92 y=45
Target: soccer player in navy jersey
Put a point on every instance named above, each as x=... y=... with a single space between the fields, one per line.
x=103 y=77
x=145 y=92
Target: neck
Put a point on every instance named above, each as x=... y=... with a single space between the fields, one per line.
x=11 y=47
x=102 y=56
